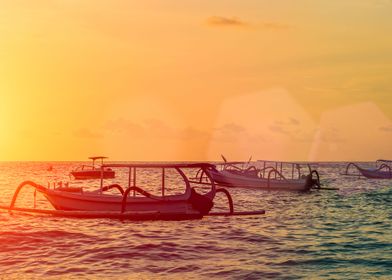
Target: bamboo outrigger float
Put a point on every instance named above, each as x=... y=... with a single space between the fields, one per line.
x=383 y=170
x=271 y=176
x=77 y=203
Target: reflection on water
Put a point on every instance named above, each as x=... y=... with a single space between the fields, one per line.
x=345 y=234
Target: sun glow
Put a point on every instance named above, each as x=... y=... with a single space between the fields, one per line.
x=162 y=84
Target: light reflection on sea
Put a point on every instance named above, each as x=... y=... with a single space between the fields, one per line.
x=345 y=234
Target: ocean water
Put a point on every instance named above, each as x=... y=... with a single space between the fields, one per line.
x=344 y=234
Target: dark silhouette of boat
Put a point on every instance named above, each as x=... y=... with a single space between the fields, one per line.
x=85 y=172
x=383 y=170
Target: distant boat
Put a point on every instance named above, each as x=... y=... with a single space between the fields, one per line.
x=383 y=170
x=85 y=172
x=268 y=177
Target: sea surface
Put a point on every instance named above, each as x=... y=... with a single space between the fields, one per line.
x=326 y=234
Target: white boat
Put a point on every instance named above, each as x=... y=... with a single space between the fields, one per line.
x=382 y=170
x=86 y=172
x=188 y=205
x=268 y=177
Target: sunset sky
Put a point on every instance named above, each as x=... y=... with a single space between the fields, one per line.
x=190 y=80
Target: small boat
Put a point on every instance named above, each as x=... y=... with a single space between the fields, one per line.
x=141 y=205
x=382 y=170
x=268 y=177
x=85 y=172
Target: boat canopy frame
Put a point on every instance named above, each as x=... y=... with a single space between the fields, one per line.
x=132 y=173
x=278 y=167
x=269 y=166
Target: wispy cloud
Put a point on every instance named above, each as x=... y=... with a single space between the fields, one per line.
x=151 y=128
x=232 y=128
x=87 y=133
x=387 y=128
x=287 y=127
x=217 y=21
x=274 y=25
x=332 y=135
x=233 y=132
x=292 y=128
x=225 y=21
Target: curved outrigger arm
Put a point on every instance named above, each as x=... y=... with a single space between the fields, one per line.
x=356 y=166
x=186 y=180
x=387 y=168
x=204 y=171
x=274 y=170
x=212 y=192
x=25 y=183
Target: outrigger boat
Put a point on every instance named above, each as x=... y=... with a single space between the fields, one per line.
x=77 y=202
x=269 y=177
x=85 y=172
x=383 y=170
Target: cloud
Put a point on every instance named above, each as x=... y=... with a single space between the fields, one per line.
x=121 y=125
x=274 y=25
x=225 y=21
x=190 y=133
x=232 y=127
x=234 y=21
x=233 y=133
x=292 y=129
x=294 y=121
x=331 y=135
x=230 y=132
x=382 y=2
x=278 y=128
x=87 y=133
x=387 y=128
x=152 y=128
x=288 y=127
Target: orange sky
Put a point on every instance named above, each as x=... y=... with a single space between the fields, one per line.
x=189 y=80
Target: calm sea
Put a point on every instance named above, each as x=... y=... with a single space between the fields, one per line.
x=345 y=234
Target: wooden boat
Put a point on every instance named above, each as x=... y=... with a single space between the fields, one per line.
x=382 y=170
x=85 y=172
x=76 y=202
x=268 y=177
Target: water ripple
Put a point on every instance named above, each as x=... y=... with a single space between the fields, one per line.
x=332 y=235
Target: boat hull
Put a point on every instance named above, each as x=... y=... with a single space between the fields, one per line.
x=93 y=174
x=375 y=174
x=172 y=208
x=233 y=180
